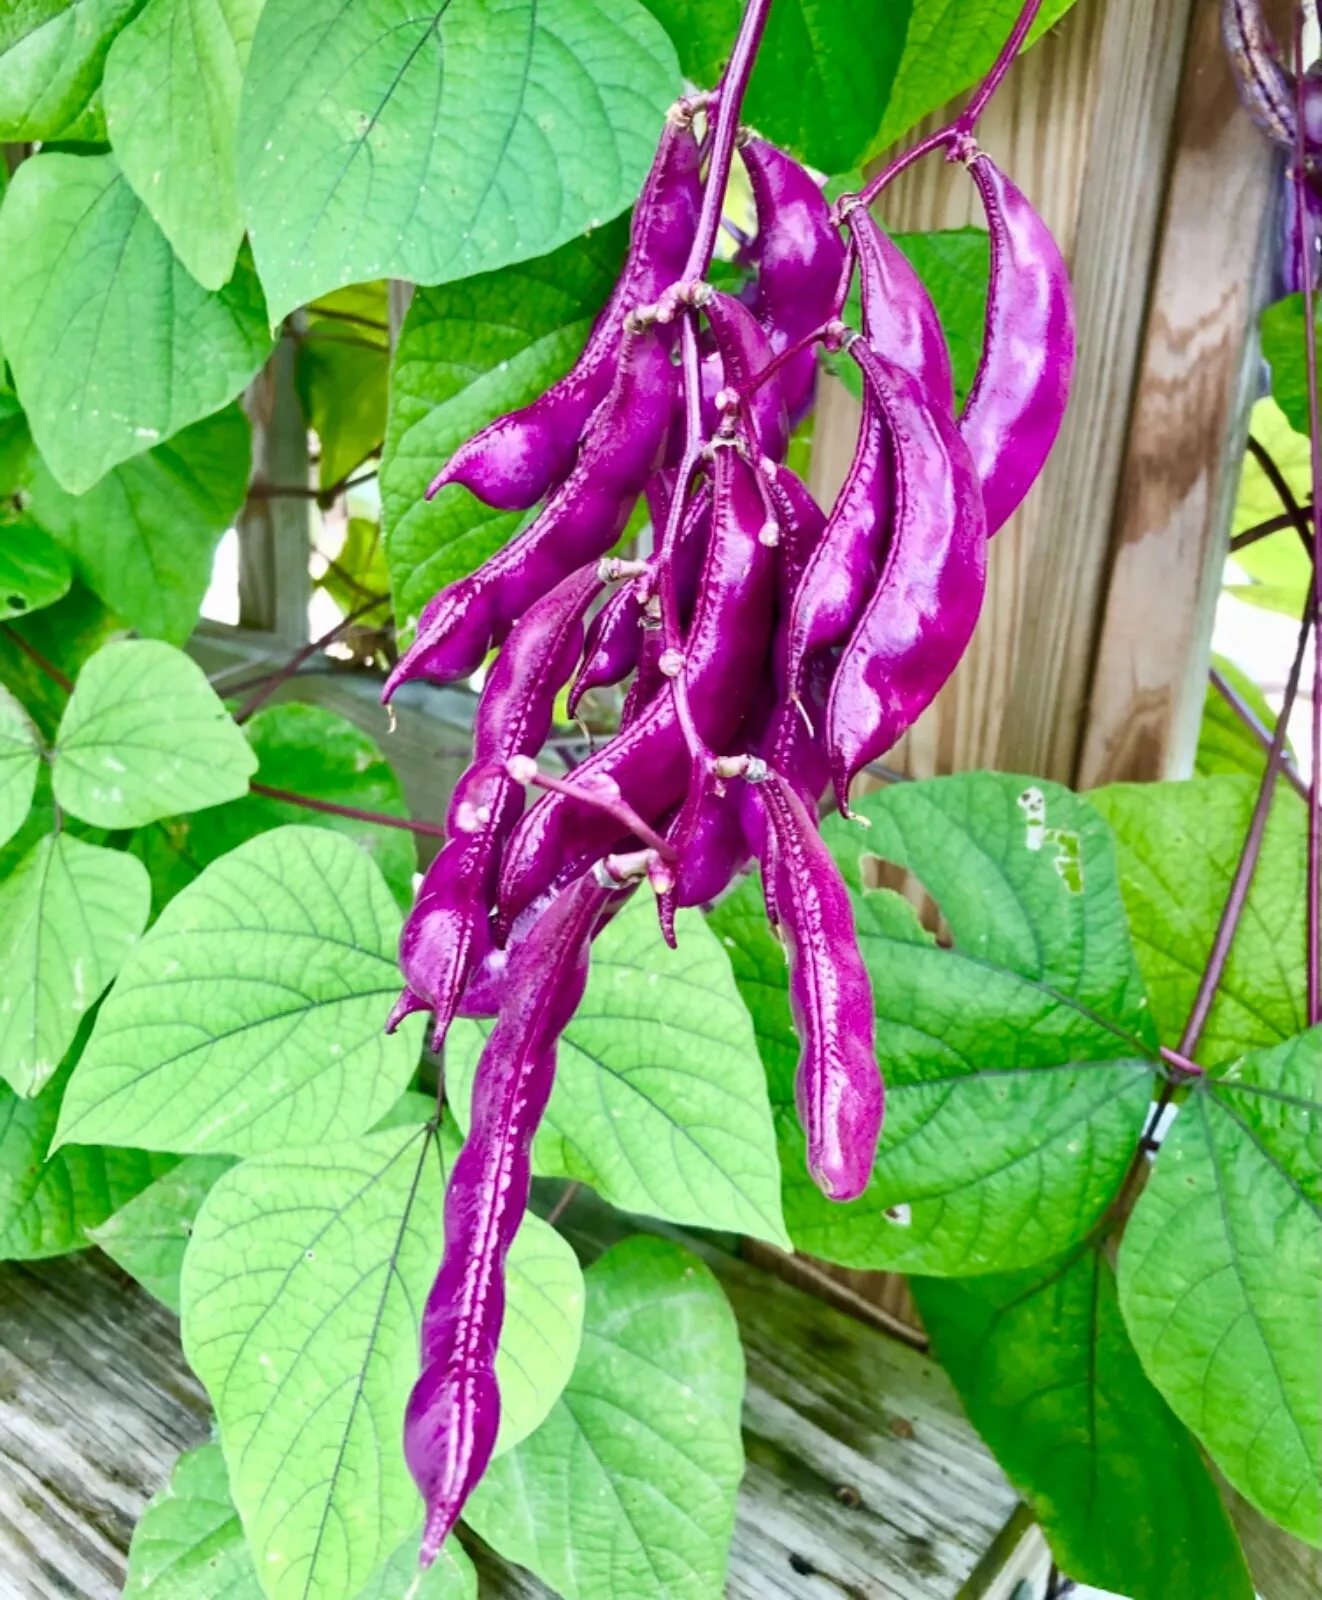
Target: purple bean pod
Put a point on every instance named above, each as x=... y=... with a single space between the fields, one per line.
x=802 y=524
x=1266 y=85
x=611 y=649
x=1292 y=237
x=647 y=763
x=922 y=613
x=1017 y=402
x=453 y=1413
x=579 y=524
x=687 y=562
x=800 y=259
x=514 y=460
x=838 y=1088
x=446 y=934
x=742 y=351
x=899 y=319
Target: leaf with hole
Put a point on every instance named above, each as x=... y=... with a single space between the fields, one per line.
x=114 y=346
x=70 y=913
x=250 y=1017
x=1178 y=845
x=51 y=56
x=302 y=1291
x=628 y=1487
x=171 y=95
x=467 y=353
x=20 y=761
x=1050 y=1380
x=659 y=1100
x=34 y=570
x=1219 y=1274
x=144 y=735
x=432 y=143
x=1018 y=1062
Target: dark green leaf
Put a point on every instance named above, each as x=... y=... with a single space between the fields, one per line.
x=1284 y=347
x=149 y=1235
x=34 y=570
x=1219 y=1275
x=144 y=538
x=144 y=735
x=113 y=346
x=628 y=1487
x=467 y=353
x=250 y=1016
x=51 y=56
x=1178 y=845
x=171 y=95
x=65 y=635
x=430 y=144
x=1017 y=1063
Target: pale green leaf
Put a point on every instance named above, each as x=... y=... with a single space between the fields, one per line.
x=359 y=571
x=433 y=143
x=1219 y=1276
x=149 y=1235
x=659 y=1100
x=628 y=1487
x=468 y=353
x=144 y=735
x=1226 y=745
x=113 y=346
x=1017 y=1062
x=20 y=759
x=189 y=1545
x=144 y=538
x=1050 y=1380
x=50 y=1204
x=342 y=369
x=302 y=1291
x=1178 y=846
x=69 y=915
x=171 y=95
x=34 y=571
x=250 y=1017
x=51 y=56
x=1257 y=499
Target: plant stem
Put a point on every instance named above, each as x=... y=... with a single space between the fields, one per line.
x=1315 y=442
x=267 y=687
x=1260 y=530
x=1295 y=515
x=39 y=661
x=433 y=830
x=1249 y=718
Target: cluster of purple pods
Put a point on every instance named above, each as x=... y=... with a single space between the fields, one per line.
x=773 y=649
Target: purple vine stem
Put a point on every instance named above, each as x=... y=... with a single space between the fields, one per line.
x=433 y=830
x=266 y=687
x=1259 y=731
x=1315 y=442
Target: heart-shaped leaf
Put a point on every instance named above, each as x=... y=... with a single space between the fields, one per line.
x=250 y=1017
x=51 y=56
x=433 y=143
x=659 y=1100
x=149 y=1235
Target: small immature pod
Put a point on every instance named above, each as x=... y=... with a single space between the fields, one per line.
x=838 y=1088
x=579 y=524
x=1017 y=403
x=899 y=319
x=802 y=524
x=453 y=1414
x=612 y=646
x=744 y=350
x=514 y=460
x=921 y=615
x=799 y=259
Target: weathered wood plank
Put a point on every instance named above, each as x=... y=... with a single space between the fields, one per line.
x=275 y=532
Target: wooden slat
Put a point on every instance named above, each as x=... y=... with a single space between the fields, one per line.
x=275 y=533
x=1186 y=433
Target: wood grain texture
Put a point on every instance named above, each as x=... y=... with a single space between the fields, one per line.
x=275 y=532
x=1186 y=433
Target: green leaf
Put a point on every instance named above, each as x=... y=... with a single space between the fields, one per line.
x=824 y=71
x=1219 y=1275
x=1285 y=348
x=15 y=440
x=1178 y=846
x=1225 y=743
x=49 y=1204
x=66 y=635
x=659 y=1100
x=1017 y=1063
x=303 y=750
x=144 y=734
x=390 y=141
x=172 y=107
x=189 y=1545
x=302 y=1290
x=1050 y=1380
x=113 y=346
x=145 y=537
x=468 y=353
x=69 y=916
x=149 y=1235
x=250 y=1016
x=51 y=56
x=34 y=571
x=359 y=571
x=342 y=370
x=950 y=45
x=1257 y=499
x=628 y=1487
x=20 y=760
